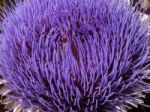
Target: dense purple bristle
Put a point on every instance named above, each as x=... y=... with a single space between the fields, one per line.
x=74 y=55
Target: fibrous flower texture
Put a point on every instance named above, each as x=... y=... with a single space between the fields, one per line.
x=75 y=55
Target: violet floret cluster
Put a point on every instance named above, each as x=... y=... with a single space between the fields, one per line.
x=75 y=55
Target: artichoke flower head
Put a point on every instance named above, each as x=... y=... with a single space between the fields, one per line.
x=74 y=55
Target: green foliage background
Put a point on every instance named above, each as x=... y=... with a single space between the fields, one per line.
x=1 y=2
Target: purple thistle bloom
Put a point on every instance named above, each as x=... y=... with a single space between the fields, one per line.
x=75 y=55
